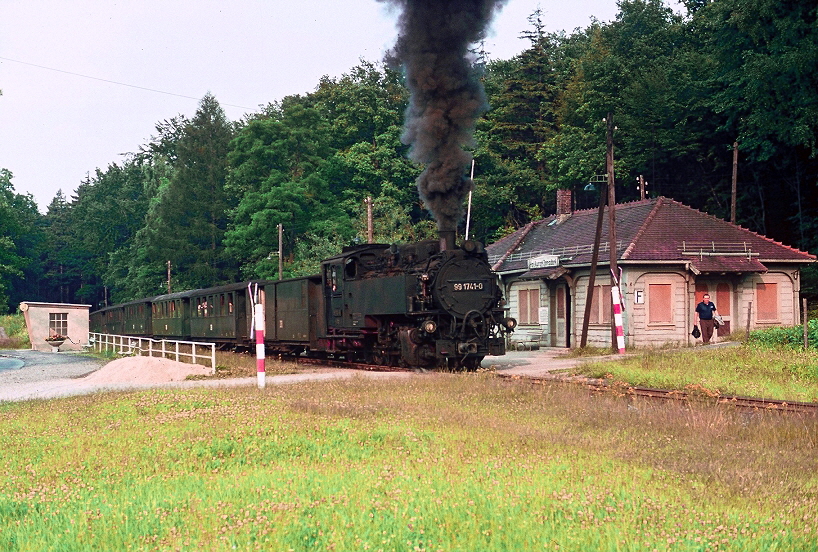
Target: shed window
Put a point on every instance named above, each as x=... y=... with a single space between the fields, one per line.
x=660 y=303
x=529 y=306
x=601 y=305
x=767 y=299
x=58 y=323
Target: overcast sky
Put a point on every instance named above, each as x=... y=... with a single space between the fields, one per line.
x=57 y=124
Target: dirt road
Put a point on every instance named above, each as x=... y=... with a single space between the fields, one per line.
x=28 y=374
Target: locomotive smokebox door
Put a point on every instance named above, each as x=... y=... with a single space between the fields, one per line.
x=460 y=290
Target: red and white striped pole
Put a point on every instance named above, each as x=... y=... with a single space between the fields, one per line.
x=258 y=319
x=620 y=326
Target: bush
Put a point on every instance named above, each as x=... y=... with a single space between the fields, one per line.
x=15 y=326
x=790 y=336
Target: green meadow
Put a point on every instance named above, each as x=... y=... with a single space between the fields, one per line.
x=761 y=371
x=432 y=462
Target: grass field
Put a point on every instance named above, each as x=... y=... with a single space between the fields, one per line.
x=437 y=462
x=750 y=371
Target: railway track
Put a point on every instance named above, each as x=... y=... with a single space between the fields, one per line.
x=335 y=363
x=601 y=386
x=605 y=386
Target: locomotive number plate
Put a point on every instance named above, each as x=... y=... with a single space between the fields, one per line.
x=469 y=286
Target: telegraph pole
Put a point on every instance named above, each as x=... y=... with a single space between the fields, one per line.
x=168 y=276
x=609 y=161
x=280 y=250
x=370 y=232
x=735 y=178
x=589 y=298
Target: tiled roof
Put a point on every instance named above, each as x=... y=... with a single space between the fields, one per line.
x=659 y=229
x=727 y=264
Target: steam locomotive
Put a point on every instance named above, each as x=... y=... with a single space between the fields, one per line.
x=428 y=304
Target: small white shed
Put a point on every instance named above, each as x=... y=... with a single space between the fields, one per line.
x=56 y=320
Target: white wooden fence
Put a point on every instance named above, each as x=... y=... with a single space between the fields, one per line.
x=165 y=348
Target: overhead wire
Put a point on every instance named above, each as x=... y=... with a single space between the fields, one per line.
x=116 y=82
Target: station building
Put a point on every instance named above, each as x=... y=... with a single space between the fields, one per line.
x=668 y=255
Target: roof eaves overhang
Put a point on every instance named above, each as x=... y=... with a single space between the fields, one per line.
x=630 y=262
x=788 y=261
x=504 y=273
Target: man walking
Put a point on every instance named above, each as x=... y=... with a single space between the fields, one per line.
x=704 y=318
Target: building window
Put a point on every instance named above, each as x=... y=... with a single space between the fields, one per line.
x=767 y=300
x=660 y=303
x=723 y=299
x=58 y=323
x=529 y=306
x=601 y=305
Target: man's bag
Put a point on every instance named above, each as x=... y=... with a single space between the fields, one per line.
x=696 y=333
x=718 y=320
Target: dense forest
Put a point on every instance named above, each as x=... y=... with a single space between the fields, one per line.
x=205 y=196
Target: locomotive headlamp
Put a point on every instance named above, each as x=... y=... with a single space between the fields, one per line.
x=429 y=326
x=473 y=246
x=509 y=323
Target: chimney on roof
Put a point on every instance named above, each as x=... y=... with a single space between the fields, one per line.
x=563 y=204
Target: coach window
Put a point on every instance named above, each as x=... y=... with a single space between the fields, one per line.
x=351 y=268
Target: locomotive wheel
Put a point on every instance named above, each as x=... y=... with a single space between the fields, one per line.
x=472 y=363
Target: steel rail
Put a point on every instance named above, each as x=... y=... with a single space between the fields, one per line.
x=337 y=363
x=601 y=385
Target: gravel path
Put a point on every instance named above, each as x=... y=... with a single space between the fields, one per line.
x=27 y=366
x=26 y=374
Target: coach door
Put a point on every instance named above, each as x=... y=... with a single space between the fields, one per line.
x=334 y=292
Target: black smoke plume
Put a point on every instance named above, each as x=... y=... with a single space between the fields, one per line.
x=447 y=97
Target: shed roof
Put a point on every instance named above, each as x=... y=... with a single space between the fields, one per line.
x=651 y=230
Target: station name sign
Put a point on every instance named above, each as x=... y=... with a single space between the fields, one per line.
x=544 y=261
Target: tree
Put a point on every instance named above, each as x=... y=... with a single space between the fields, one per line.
x=522 y=96
x=274 y=169
x=766 y=93
x=20 y=242
x=187 y=218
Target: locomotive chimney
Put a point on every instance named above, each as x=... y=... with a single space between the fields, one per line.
x=446 y=239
